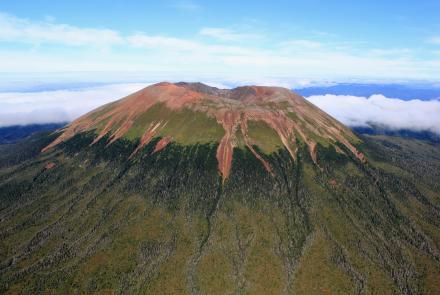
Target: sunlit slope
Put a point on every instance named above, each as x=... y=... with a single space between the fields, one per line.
x=191 y=113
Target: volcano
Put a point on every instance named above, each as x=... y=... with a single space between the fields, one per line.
x=183 y=188
x=267 y=118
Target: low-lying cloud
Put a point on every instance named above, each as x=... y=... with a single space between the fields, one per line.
x=22 y=108
x=378 y=110
x=55 y=106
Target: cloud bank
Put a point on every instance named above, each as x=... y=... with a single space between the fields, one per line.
x=22 y=108
x=378 y=110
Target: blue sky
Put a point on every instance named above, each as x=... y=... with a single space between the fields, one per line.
x=245 y=40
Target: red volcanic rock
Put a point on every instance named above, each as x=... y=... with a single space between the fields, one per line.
x=162 y=143
x=49 y=165
x=230 y=121
x=147 y=136
x=294 y=120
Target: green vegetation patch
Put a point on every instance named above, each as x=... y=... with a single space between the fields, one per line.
x=185 y=126
x=264 y=136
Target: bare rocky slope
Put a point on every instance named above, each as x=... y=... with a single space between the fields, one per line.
x=289 y=119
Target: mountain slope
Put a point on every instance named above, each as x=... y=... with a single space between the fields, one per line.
x=108 y=208
x=196 y=113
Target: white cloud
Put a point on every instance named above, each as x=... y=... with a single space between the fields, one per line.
x=176 y=45
x=161 y=42
x=197 y=55
x=21 y=108
x=21 y=30
x=224 y=34
x=392 y=113
x=390 y=53
x=434 y=40
x=302 y=44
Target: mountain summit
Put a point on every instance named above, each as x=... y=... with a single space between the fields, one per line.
x=189 y=189
x=258 y=118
